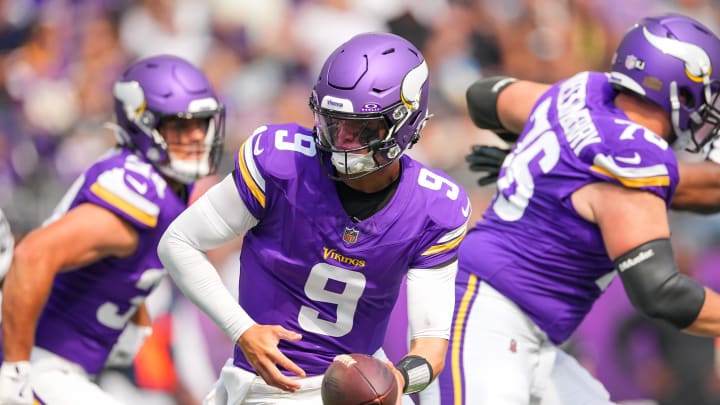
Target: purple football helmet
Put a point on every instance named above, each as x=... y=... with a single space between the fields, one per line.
x=370 y=103
x=674 y=61
x=164 y=87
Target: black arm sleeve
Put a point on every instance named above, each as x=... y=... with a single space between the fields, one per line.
x=482 y=99
x=656 y=288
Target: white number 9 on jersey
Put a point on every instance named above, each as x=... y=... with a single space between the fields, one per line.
x=345 y=301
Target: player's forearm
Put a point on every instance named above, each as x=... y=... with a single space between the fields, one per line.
x=433 y=350
x=707 y=322
x=199 y=281
x=699 y=187
x=25 y=291
x=515 y=103
x=213 y=220
x=141 y=317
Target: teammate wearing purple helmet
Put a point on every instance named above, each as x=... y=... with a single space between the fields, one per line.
x=77 y=285
x=583 y=197
x=333 y=217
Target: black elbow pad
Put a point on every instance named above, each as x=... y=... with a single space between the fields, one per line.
x=482 y=99
x=656 y=287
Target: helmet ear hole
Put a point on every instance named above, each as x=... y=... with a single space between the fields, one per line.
x=686 y=97
x=414 y=118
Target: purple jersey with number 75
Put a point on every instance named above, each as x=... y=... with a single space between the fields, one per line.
x=540 y=253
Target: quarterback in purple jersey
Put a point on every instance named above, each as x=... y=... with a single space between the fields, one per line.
x=582 y=197
x=333 y=217
x=74 y=294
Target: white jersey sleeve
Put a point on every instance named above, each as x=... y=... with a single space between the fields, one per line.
x=214 y=219
x=431 y=317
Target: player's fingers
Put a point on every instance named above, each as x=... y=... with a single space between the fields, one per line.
x=487 y=150
x=272 y=376
x=399 y=378
x=493 y=161
x=497 y=153
x=285 y=334
x=488 y=179
x=484 y=167
x=288 y=364
x=479 y=157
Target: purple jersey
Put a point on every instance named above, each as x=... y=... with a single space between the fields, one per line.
x=308 y=267
x=89 y=307
x=531 y=244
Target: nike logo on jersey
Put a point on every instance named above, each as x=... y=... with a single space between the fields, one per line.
x=466 y=209
x=634 y=160
x=257 y=149
x=138 y=186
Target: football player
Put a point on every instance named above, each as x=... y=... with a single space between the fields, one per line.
x=80 y=280
x=583 y=197
x=332 y=217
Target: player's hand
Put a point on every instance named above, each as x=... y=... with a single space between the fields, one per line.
x=260 y=346
x=400 y=381
x=129 y=343
x=488 y=159
x=15 y=383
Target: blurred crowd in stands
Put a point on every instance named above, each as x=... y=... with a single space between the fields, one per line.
x=59 y=58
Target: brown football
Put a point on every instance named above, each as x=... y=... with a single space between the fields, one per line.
x=358 y=379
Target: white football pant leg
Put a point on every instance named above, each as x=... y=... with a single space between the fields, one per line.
x=56 y=381
x=262 y=394
x=570 y=383
x=508 y=360
x=501 y=351
x=239 y=387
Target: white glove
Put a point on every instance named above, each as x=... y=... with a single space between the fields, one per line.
x=713 y=150
x=129 y=343
x=15 y=383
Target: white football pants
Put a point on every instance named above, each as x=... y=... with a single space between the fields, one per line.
x=57 y=381
x=239 y=387
x=508 y=360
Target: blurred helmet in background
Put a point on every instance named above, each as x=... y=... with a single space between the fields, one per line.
x=162 y=89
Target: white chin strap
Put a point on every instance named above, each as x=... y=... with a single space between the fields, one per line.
x=684 y=137
x=353 y=163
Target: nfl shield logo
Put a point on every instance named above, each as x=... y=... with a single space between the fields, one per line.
x=351 y=235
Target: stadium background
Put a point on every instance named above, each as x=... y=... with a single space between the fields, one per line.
x=58 y=59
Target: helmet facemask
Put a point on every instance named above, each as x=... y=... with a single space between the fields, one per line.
x=189 y=159
x=155 y=102
x=704 y=123
x=358 y=144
